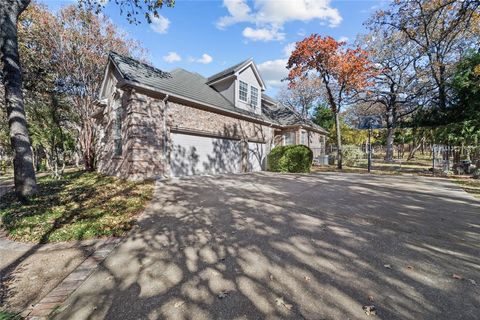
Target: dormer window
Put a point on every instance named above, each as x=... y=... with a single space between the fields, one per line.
x=243 y=92
x=253 y=96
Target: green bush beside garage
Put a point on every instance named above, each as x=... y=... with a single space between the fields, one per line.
x=291 y=158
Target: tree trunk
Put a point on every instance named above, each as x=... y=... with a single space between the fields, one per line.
x=391 y=119
x=389 y=150
x=24 y=173
x=87 y=144
x=412 y=152
x=339 y=141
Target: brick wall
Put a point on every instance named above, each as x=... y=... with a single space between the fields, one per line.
x=185 y=117
x=143 y=136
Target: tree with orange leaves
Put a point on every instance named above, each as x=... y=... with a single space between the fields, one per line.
x=341 y=70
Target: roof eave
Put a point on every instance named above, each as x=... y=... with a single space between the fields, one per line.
x=230 y=75
x=128 y=83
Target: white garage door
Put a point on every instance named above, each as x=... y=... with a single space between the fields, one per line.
x=256 y=156
x=193 y=155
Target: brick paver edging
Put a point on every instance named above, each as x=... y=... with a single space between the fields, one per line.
x=60 y=293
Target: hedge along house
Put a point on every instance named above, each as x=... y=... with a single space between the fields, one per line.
x=170 y=124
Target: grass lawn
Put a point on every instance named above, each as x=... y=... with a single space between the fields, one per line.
x=4 y=315
x=470 y=185
x=78 y=206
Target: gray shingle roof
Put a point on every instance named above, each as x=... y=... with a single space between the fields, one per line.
x=193 y=86
x=135 y=70
x=285 y=116
x=228 y=71
x=178 y=82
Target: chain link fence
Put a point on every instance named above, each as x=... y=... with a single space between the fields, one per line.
x=430 y=159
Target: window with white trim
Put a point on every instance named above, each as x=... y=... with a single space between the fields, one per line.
x=289 y=138
x=303 y=138
x=243 y=91
x=253 y=97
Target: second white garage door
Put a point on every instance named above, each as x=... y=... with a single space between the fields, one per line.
x=256 y=156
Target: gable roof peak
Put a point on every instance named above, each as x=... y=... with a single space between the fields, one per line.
x=229 y=71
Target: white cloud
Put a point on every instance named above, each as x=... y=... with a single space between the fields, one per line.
x=263 y=34
x=205 y=59
x=273 y=71
x=270 y=16
x=172 y=57
x=288 y=49
x=239 y=12
x=160 y=24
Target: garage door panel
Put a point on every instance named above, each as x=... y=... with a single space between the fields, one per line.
x=192 y=155
x=256 y=156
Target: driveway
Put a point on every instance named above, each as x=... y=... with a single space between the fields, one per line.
x=271 y=246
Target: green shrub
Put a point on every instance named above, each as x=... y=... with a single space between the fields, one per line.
x=292 y=158
x=352 y=154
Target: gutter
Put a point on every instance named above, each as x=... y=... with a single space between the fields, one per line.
x=124 y=82
x=305 y=127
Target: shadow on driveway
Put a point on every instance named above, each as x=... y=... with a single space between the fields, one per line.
x=270 y=246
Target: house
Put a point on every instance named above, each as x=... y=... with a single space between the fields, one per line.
x=170 y=124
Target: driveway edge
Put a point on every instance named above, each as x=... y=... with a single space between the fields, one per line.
x=64 y=289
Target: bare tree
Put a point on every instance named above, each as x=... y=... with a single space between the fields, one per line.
x=303 y=96
x=440 y=30
x=398 y=89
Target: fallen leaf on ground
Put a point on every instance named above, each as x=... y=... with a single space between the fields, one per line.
x=271 y=277
x=387 y=266
x=307 y=278
x=370 y=310
x=281 y=302
x=410 y=267
x=178 y=304
x=456 y=276
x=222 y=294
x=472 y=282
x=370 y=298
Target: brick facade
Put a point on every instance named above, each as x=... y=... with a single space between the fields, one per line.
x=182 y=117
x=146 y=138
x=142 y=138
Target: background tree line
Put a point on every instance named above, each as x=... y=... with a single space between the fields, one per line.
x=417 y=67
x=63 y=58
x=70 y=76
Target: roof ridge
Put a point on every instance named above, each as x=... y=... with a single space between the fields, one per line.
x=190 y=72
x=228 y=70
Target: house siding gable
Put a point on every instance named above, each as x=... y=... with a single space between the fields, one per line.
x=226 y=88
x=248 y=76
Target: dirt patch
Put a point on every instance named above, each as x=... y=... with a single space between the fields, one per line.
x=26 y=277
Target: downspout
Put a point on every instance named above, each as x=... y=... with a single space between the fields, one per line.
x=165 y=137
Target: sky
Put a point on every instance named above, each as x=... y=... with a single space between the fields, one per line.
x=207 y=36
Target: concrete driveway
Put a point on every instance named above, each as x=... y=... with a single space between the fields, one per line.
x=270 y=246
